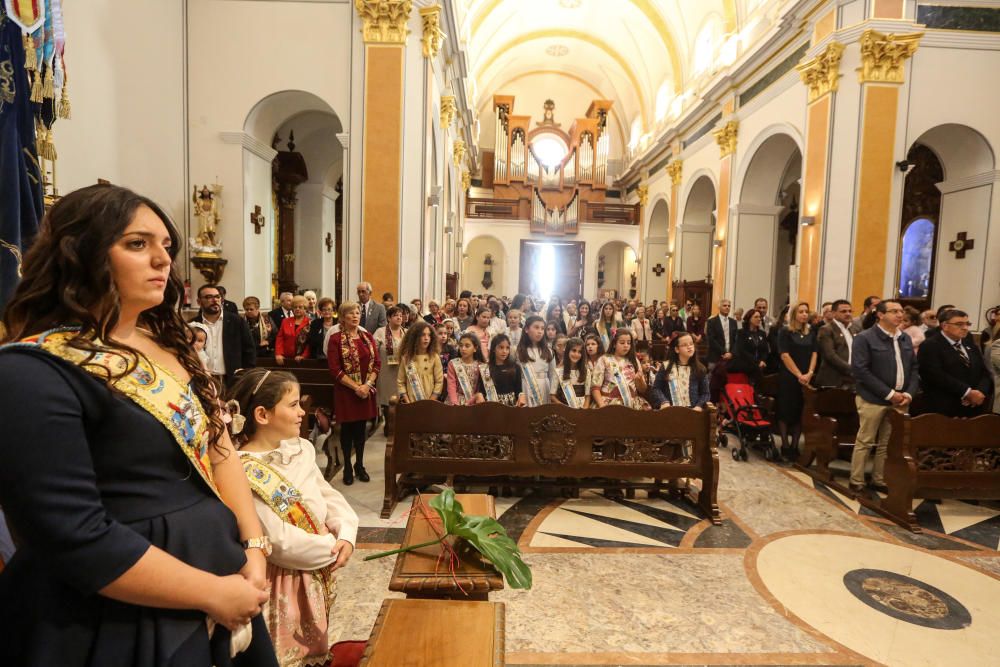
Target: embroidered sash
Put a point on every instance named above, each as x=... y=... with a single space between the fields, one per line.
x=488 y=385
x=531 y=391
x=155 y=389
x=351 y=357
x=605 y=335
x=572 y=400
x=463 y=379
x=413 y=380
x=618 y=377
x=285 y=500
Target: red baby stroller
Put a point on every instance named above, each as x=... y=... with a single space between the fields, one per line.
x=740 y=415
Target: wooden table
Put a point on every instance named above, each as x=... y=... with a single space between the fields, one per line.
x=418 y=574
x=438 y=633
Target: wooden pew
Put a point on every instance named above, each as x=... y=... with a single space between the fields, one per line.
x=611 y=448
x=442 y=633
x=829 y=428
x=933 y=456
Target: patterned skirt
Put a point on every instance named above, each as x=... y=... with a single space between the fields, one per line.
x=613 y=397
x=297 y=613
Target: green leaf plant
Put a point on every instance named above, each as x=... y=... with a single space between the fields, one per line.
x=483 y=533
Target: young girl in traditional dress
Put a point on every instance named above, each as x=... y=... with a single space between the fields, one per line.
x=559 y=348
x=389 y=339
x=514 y=329
x=607 y=324
x=311 y=526
x=481 y=329
x=683 y=380
x=593 y=350
x=420 y=376
x=574 y=378
x=464 y=386
x=503 y=373
x=551 y=333
x=538 y=364
x=617 y=379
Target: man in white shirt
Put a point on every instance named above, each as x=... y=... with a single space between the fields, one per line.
x=229 y=346
x=834 y=341
x=721 y=333
x=760 y=305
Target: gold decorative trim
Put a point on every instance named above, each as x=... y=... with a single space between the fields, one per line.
x=882 y=56
x=725 y=136
x=448 y=110
x=458 y=152
x=466 y=180
x=432 y=36
x=643 y=192
x=821 y=74
x=676 y=170
x=384 y=20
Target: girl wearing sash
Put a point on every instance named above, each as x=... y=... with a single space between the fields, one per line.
x=514 y=329
x=574 y=378
x=481 y=330
x=617 y=379
x=138 y=539
x=538 y=364
x=447 y=349
x=464 y=386
x=551 y=333
x=559 y=348
x=389 y=340
x=311 y=526
x=607 y=324
x=683 y=380
x=593 y=350
x=503 y=373
x=420 y=376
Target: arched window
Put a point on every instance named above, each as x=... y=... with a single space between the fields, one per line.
x=916 y=259
x=704 y=46
x=664 y=96
x=635 y=134
x=549 y=149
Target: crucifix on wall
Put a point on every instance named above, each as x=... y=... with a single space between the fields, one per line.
x=329 y=242
x=256 y=219
x=961 y=243
x=658 y=269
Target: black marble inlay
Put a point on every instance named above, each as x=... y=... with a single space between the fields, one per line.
x=778 y=71
x=980 y=19
x=519 y=515
x=702 y=131
x=597 y=542
x=727 y=536
x=907 y=599
x=828 y=492
x=681 y=521
x=660 y=165
x=986 y=533
x=928 y=517
x=665 y=534
x=925 y=540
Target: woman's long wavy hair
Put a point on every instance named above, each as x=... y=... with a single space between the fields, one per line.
x=67 y=282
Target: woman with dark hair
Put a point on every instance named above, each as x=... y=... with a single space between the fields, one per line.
x=354 y=363
x=504 y=373
x=125 y=492
x=617 y=379
x=538 y=364
x=321 y=326
x=683 y=380
x=751 y=351
x=581 y=326
x=574 y=377
x=389 y=340
x=593 y=350
x=463 y=313
x=555 y=314
x=481 y=330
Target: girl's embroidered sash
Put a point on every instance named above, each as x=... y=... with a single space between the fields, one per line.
x=413 y=380
x=572 y=400
x=156 y=390
x=619 y=379
x=531 y=391
x=285 y=500
x=488 y=384
x=463 y=379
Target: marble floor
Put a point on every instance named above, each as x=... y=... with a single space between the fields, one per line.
x=797 y=574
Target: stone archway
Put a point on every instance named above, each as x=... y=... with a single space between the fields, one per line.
x=619 y=266
x=696 y=232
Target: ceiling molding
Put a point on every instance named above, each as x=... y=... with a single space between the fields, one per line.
x=570 y=33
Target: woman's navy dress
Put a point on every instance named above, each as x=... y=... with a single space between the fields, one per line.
x=800 y=348
x=88 y=481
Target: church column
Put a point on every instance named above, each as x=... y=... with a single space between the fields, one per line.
x=880 y=75
x=725 y=136
x=821 y=75
x=676 y=171
x=384 y=31
x=641 y=255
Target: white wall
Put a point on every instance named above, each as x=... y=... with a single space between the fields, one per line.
x=756 y=238
x=258 y=249
x=472 y=272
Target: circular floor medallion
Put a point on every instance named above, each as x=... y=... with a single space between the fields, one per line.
x=907 y=599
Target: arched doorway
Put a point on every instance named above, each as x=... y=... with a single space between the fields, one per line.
x=300 y=193
x=767 y=223
x=484 y=266
x=947 y=196
x=697 y=230
x=617 y=270
x=656 y=280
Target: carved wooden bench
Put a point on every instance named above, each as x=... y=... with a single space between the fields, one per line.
x=829 y=428
x=553 y=445
x=933 y=456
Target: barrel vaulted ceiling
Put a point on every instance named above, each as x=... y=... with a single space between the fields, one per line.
x=639 y=53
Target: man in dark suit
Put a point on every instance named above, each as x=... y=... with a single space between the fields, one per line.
x=721 y=333
x=886 y=378
x=834 y=341
x=372 y=314
x=229 y=346
x=283 y=310
x=227 y=305
x=953 y=375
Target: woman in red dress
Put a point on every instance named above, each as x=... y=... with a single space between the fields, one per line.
x=354 y=362
x=293 y=335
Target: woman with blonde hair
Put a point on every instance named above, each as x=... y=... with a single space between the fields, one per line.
x=797 y=351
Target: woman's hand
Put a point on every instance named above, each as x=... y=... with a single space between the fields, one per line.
x=299 y=357
x=521 y=401
x=280 y=360
x=362 y=391
x=763 y=364
x=255 y=569
x=233 y=601
x=342 y=550
x=666 y=404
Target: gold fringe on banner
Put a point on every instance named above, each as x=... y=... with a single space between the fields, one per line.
x=49 y=87
x=65 y=110
x=30 y=57
x=36 y=87
x=49 y=147
x=39 y=138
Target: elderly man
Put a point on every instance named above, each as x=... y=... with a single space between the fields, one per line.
x=283 y=310
x=953 y=374
x=372 y=313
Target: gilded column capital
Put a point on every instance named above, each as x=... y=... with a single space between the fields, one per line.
x=882 y=56
x=466 y=180
x=448 y=109
x=675 y=169
x=725 y=136
x=643 y=192
x=821 y=74
x=458 y=152
x=384 y=20
x=432 y=35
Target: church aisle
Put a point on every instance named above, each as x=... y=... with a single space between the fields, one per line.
x=785 y=580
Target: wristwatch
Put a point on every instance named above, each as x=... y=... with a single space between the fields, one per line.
x=261 y=543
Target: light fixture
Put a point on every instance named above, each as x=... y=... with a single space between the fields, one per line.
x=808 y=220
x=717 y=243
x=668 y=254
x=448 y=229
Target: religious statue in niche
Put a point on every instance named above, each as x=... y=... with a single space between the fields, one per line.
x=600 y=271
x=207 y=203
x=548 y=115
x=632 y=286
x=488 y=271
